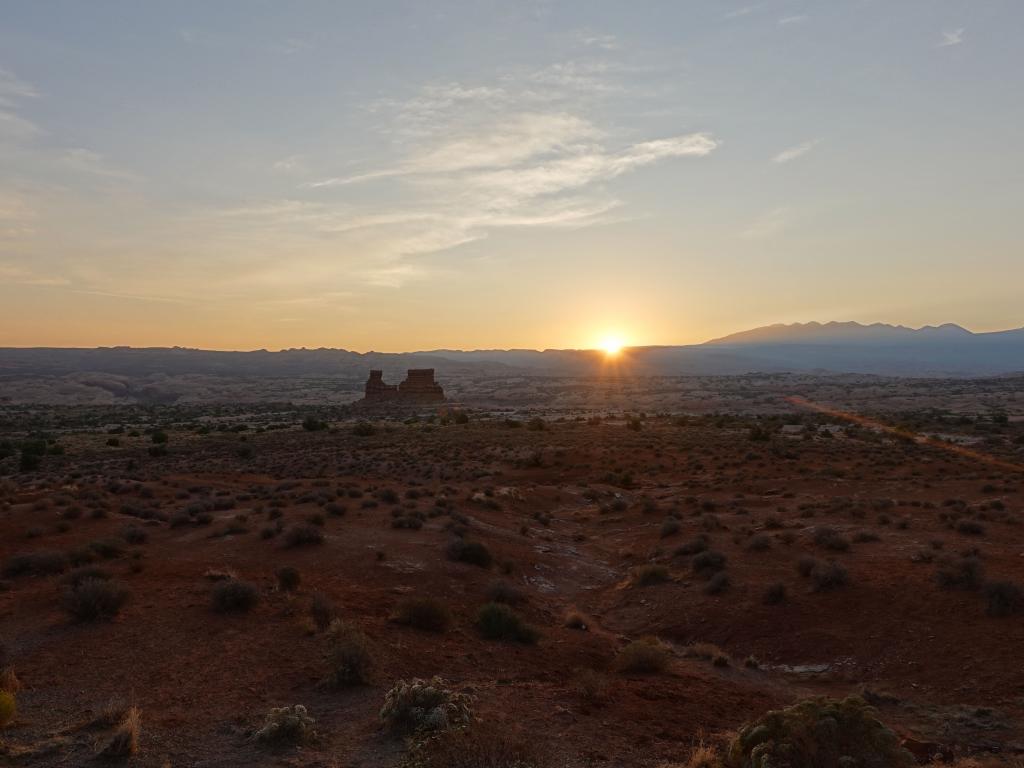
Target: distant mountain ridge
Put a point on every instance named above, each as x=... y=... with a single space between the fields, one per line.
x=946 y=350
x=840 y=332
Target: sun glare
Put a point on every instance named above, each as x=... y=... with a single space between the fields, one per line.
x=612 y=345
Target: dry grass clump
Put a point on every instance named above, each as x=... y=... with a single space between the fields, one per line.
x=701 y=756
x=591 y=685
x=424 y=705
x=291 y=725
x=124 y=742
x=8 y=708
x=645 y=657
x=426 y=613
x=349 y=655
x=707 y=652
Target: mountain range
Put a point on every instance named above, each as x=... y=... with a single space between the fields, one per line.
x=836 y=347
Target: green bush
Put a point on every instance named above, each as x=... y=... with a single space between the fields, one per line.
x=234 y=596
x=819 y=733
x=424 y=613
x=349 y=655
x=93 y=599
x=497 y=621
x=472 y=552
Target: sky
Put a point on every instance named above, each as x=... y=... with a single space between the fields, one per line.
x=537 y=174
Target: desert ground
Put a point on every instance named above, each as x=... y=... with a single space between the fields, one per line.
x=601 y=586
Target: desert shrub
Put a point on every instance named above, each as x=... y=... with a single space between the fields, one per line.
x=960 y=573
x=805 y=565
x=323 y=611
x=537 y=424
x=645 y=657
x=646 y=575
x=820 y=733
x=302 y=535
x=775 y=594
x=349 y=655
x=759 y=543
x=78 y=575
x=125 y=739
x=363 y=429
x=503 y=592
x=830 y=538
x=313 y=424
x=134 y=535
x=234 y=596
x=91 y=599
x=1004 y=598
x=970 y=528
x=864 y=537
x=717 y=583
x=708 y=561
x=472 y=552
x=424 y=705
x=693 y=547
x=8 y=708
x=670 y=527
x=496 y=621
x=288 y=578
x=830 y=575
x=39 y=563
x=291 y=725
x=424 y=613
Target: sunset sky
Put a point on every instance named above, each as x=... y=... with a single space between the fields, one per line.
x=416 y=175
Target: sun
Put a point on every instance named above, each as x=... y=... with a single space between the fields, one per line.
x=612 y=345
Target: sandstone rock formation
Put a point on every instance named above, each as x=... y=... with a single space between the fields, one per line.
x=419 y=387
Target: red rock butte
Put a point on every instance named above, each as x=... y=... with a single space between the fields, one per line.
x=419 y=387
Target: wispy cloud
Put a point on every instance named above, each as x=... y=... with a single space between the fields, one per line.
x=744 y=10
x=952 y=37
x=13 y=91
x=522 y=152
x=786 y=21
x=792 y=153
x=768 y=224
x=91 y=163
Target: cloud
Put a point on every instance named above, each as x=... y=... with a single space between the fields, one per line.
x=954 y=37
x=768 y=224
x=88 y=162
x=792 y=153
x=13 y=90
x=522 y=151
x=589 y=38
x=745 y=10
x=789 y=20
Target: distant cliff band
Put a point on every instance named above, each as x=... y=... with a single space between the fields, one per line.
x=419 y=387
